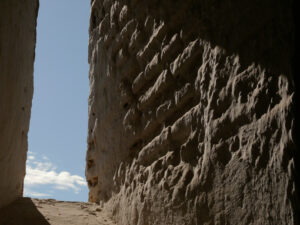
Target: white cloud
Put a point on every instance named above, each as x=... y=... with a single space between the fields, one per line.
x=31 y=157
x=35 y=194
x=43 y=172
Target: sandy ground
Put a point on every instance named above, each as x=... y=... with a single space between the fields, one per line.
x=26 y=211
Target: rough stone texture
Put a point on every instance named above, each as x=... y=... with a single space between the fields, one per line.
x=191 y=112
x=17 y=51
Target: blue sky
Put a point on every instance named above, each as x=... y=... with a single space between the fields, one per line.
x=58 y=126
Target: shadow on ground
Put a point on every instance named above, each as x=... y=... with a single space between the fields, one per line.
x=22 y=212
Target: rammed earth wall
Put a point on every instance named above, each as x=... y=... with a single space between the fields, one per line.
x=17 y=51
x=191 y=111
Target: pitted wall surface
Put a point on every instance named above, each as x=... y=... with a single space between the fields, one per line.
x=191 y=112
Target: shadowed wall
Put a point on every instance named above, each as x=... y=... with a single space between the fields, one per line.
x=17 y=51
x=191 y=111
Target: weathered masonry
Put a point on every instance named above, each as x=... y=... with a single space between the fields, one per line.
x=191 y=111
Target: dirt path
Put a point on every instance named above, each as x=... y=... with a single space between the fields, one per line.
x=28 y=211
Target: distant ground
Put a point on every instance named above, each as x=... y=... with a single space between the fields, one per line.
x=27 y=211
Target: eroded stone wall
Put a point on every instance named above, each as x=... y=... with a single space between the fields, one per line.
x=17 y=51
x=191 y=111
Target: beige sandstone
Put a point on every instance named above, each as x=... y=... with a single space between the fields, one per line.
x=17 y=52
x=191 y=112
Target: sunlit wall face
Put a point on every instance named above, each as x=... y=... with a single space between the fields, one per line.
x=58 y=126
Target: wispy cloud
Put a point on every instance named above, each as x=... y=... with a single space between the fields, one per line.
x=31 y=157
x=35 y=194
x=42 y=172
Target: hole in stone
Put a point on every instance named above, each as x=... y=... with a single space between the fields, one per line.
x=93 y=182
x=90 y=163
x=126 y=106
x=94 y=18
